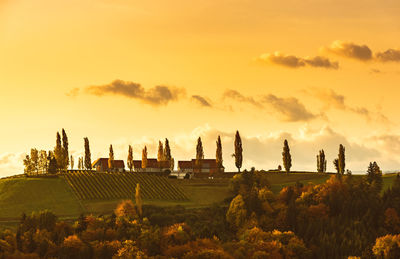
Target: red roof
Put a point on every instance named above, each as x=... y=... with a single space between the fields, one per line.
x=205 y=164
x=185 y=164
x=103 y=162
x=152 y=163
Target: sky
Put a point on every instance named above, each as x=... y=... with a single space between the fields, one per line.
x=318 y=73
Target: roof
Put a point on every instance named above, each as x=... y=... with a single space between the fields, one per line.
x=152 y=163
x=205 y=164
x=185 y=164
x=103 y=162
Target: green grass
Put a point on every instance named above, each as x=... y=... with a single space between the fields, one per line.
x=388 y=180
x=22 y=194
x=281 y=180
x=18 y=195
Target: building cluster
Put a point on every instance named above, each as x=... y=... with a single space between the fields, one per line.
x=153 y=165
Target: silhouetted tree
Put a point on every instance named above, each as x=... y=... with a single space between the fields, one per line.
x=65 y=150
x=35 y=160
x=341 y=160
x=52 y=163
x=43 y=163
x=374 y=175
x=336 y=165
x=286 y=157
x=111 y=159
x=129 y=160
x=167 y=154
x=88 y=159
x=238 y=155
x=321 y=162
x=218 y=153
x=160 y=154
x=199 y=152
x=58 y=152
x=28 y=165
x=144 y=157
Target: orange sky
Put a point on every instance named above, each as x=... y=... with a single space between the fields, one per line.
x=58 y=60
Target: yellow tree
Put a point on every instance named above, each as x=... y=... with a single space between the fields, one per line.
x=160 y=154
x=144 y=157
x=111 y=159
x=130 y=158
x=138 y=200
x=218 y=153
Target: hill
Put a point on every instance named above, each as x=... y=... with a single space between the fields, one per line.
x=99 y=193
x=90 y=185
x=23 y=194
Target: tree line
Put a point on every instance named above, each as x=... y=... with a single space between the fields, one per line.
x=58 y=159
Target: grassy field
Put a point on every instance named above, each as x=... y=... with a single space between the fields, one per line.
x=22 y=194
x=19 y=195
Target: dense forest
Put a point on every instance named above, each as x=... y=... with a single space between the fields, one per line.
x=343 y=217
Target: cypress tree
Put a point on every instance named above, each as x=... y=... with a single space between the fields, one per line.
x=341 y=160
x=111 y=159
x=144 y=157
x=160 y=154
x=199 y=152
x=286 y=157
x=218 y=153
x=88 y=160
x=58 y=152
x=321 y=162
x=130 y=158
x=167 y=154
x=238 y=151
x=65 y=150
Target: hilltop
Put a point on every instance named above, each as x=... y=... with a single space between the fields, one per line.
x=98 y=193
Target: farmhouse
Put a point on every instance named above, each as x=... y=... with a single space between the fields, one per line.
x=152 y=165
x=101 y=165
x=205 y=166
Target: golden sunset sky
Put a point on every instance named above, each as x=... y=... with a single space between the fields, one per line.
x=317 y=72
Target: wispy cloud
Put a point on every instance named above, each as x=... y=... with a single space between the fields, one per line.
x=201 y=100
x=235 y=95
x=388 y=55
x=292 y=61
x=73 y=93
x=158 y=95
x=350 y=50
x=362 y=52
x=332 y=99
x=290 y=109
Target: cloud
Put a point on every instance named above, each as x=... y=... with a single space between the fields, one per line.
x=290 y=108
x=201 y=100
x=362 y=52
x=233 y=94
x=292 y=61
x=350 y=50
x=330 y=98
x=388 y=55
x=264 y=151
x=11 y=164
x=158 y=95
x=73 y=93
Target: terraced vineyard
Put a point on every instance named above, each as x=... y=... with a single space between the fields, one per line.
x=89 y=185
